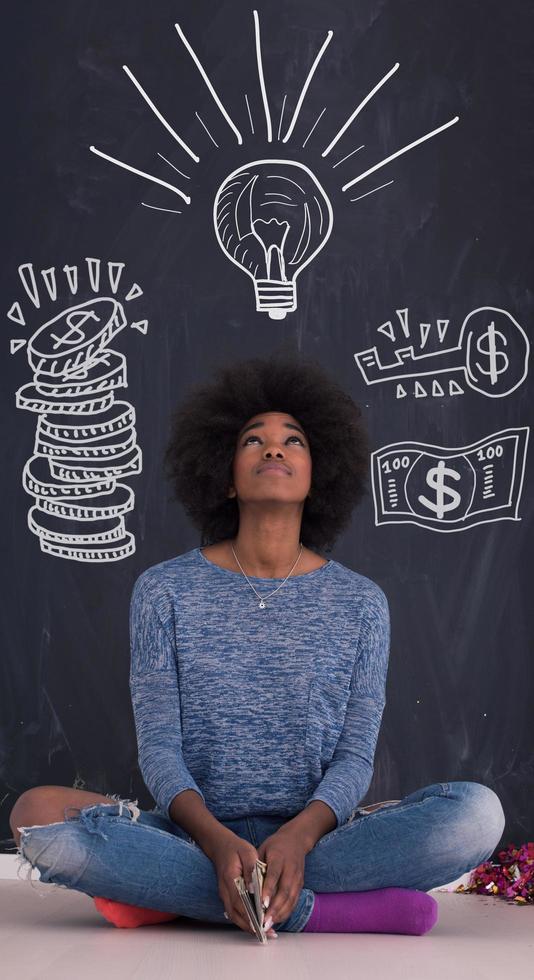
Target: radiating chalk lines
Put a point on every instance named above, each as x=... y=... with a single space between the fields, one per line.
x=85 y=442
x=281 y=285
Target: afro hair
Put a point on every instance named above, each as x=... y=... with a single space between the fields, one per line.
x=204 y=430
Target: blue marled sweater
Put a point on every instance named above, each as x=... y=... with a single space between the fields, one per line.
x=260 y=711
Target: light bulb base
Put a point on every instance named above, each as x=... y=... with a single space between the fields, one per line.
x=275 y=297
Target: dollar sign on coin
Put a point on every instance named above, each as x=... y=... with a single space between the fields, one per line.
x=492 y=353
x=436 y=480
x=75 y=321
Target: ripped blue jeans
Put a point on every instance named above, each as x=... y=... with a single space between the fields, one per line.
x=428 y=839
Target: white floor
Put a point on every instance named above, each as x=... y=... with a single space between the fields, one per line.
x=49 y=933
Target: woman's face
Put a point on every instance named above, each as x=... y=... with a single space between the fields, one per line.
x=272 y=437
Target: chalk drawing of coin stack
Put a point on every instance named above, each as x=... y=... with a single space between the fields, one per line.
x=85 y=444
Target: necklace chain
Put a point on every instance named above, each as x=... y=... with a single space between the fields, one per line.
x=263 y=598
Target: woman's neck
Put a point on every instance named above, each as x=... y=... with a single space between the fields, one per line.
x=267 y=557
x=221 y=554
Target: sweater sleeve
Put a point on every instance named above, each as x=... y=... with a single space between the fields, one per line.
x=155 y=699
x=348 y=776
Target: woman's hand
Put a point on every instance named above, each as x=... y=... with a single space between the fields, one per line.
x=284 y=854
x=232 y=856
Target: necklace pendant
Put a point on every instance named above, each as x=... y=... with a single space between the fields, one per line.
x=262 y=604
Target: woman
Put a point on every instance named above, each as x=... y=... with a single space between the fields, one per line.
x=258 y=676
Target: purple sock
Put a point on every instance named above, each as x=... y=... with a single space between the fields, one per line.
x=401 y=910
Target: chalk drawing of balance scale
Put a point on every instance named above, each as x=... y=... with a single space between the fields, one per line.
x=492 y=353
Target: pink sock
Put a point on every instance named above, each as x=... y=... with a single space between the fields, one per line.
x=126 y=916
x=401 y=910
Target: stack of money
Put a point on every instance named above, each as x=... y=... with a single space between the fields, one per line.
x=85 y=442
x=253 y=904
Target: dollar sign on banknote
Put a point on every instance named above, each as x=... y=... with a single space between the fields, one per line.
x=435 y=479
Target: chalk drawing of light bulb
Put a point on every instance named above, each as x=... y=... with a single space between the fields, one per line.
x=271 y=219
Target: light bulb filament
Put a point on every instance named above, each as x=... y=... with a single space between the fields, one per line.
x=272 y=235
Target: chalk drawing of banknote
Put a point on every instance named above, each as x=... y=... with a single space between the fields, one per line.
x=450 y=489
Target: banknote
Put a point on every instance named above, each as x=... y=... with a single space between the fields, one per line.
x=450 y=489
x=252 y=902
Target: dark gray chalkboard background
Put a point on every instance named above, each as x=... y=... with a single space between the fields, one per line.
x=451 y=234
